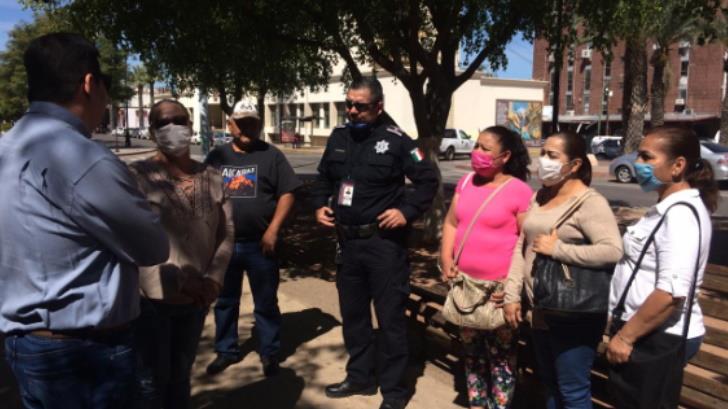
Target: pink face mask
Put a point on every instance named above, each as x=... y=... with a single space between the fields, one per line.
x=483 y=163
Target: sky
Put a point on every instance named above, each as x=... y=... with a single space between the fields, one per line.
x=519 y=51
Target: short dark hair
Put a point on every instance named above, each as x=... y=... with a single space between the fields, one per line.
x=56 y=64
x=372 y=84
x=509 y=140
x=575 y=148
x=154 y=110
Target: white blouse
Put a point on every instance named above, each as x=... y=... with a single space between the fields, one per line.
x=669 y=263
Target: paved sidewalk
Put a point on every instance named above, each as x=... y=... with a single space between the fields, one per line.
x=312 y=346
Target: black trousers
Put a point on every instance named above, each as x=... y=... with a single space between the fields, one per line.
x=375 y=269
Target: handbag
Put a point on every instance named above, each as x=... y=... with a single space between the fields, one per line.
x=566 y=289
x=653 y=376
x=467 y=303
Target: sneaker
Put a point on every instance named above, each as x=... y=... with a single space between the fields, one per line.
x=221 y=363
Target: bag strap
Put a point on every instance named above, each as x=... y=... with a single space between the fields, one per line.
x=618 y=310
x=573 y=208
x=475 y=218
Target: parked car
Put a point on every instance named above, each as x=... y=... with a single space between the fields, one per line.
x=221 y=138
x=717 y=155
x=455 y=142
x=608 y=149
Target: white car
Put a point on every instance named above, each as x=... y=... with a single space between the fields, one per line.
x=455 y=142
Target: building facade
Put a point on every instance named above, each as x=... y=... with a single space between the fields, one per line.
x=592 y=91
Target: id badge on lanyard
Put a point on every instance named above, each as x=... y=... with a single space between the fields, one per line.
x=346 y=193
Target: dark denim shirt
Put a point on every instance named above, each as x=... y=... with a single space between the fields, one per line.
x=73 y=228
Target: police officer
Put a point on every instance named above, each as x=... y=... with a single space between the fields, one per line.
x=361 y=192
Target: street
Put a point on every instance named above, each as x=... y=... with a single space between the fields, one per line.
x=304 y=161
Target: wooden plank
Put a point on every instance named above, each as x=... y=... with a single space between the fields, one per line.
x=716 y=332
x=707 y=382
x=717 y=269
x=715 y=307
x=715 y=282
x=691 y=398
x=712 y=358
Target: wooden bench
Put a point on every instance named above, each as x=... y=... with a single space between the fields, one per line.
x=705 y=383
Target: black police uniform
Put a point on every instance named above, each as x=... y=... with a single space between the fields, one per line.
x=373 y=264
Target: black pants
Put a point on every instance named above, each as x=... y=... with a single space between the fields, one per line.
x=375 y=269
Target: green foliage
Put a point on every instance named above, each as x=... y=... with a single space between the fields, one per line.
x=13 y=88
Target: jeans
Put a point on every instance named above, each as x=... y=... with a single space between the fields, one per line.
x=73 y=373
x=564 y=356
x=264 y=279
x=166 y=340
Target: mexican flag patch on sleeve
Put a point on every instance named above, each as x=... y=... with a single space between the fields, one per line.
x=417 y=155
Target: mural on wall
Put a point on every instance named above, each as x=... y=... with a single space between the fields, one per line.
x=523 y=117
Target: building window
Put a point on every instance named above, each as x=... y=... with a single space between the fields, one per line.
x=340 y=113
x=325 y=116
x=569 y=102
x=552 y=75
x=570 y=80
x=586 y=98
x=607 y=69
x=273 y=115
x=684 y=68
x=683 y=93
x=587 y=78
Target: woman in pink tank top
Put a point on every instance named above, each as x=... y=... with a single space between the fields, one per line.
x=499 y=157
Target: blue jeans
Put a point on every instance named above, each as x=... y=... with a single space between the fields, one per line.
x=73 y=373
x=564 y=356
x=166 y=340
x=264 y=279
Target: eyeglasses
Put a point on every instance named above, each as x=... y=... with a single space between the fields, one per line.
x=177 y=120
x=360 y=106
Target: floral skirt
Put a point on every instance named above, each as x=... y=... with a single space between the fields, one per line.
x=490 y=366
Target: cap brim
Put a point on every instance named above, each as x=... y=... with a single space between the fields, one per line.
x=243 y=115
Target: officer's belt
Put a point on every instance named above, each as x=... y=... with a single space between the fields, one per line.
x=363 y=231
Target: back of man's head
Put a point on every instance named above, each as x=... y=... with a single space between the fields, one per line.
x=56 y=64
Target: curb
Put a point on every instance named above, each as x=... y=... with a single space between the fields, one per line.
x=138 y=152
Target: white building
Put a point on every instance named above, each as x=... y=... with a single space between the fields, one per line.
x=314 y=114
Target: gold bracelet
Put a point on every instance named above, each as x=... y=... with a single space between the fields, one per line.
x=623 y=339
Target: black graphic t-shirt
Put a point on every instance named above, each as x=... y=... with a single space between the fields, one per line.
x=254 y=181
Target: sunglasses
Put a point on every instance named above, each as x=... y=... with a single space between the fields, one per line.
x=360 y=106
x=177 y=120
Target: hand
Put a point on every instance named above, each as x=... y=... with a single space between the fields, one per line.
x=268 y=242
x=497 y=298
x=325 y=216
x=512 y=314
x=448 y=269
x=618 y=350
x=211 y=290
x=391 y=219
x=545 y=244
x=193 y=287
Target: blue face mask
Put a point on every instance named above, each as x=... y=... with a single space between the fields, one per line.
x=644 y=172
x=358 y=126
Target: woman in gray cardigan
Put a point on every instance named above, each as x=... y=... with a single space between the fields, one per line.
x=565 y=346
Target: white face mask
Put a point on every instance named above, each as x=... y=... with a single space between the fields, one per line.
x=173 y=139
x=549 y=171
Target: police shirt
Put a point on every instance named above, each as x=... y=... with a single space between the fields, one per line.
x=375 y=163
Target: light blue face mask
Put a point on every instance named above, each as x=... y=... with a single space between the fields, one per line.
x=644 y=172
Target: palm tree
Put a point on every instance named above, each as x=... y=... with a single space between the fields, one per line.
x=677 y=20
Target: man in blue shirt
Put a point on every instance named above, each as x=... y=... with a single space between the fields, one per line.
x=73 y=228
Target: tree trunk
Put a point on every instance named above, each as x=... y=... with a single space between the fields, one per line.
x=635 y=88
x=140 y=107
x=556 y=89
x=659 y=86
x=261 y=110
x=724 y=120
x=151 y=92
x=431 y=111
